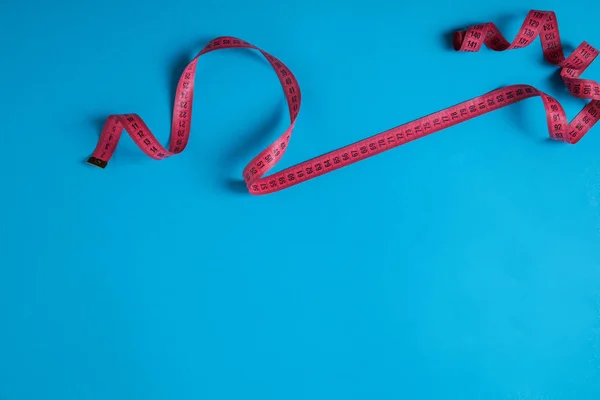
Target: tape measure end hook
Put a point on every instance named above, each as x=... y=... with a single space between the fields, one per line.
x=97 y=162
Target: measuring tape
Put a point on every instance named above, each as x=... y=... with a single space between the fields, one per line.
x=542 y=23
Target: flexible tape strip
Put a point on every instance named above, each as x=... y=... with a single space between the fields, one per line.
x=542 y=23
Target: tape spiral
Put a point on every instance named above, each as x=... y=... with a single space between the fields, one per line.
x=537 y=23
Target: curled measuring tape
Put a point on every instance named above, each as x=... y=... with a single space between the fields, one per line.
x=542 y=23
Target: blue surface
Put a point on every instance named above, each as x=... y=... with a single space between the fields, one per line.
x=465 y=265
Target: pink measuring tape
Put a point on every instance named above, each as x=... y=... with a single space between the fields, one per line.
x=542 y=23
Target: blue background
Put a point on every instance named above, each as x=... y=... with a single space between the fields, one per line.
x=465 y=265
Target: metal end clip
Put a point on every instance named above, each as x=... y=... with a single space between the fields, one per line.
x=97 y=162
